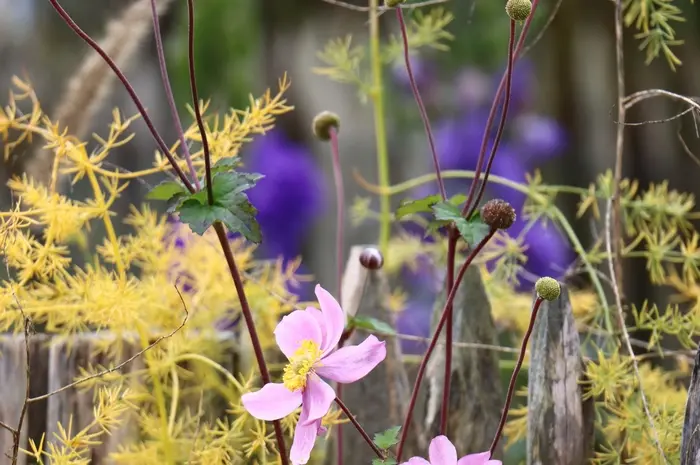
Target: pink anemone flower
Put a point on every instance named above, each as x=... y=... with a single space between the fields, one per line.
x=308 y=338
x=443 y=452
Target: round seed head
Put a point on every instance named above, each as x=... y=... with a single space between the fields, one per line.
x=322 y=124
x=518 y=10
x=393 y=3
x=371 y=258
x=548 y=288
x=498 y=214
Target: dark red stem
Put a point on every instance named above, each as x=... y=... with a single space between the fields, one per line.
x=340 y=209
x=502 y=122
x=514 y=376
x=492 y=114
x=169 y=94
x=360 y=429
x=129 y=88
x=195 y=99
x=419 y=101
x=250 y=324
x=449 y=284
x=340 y=219
x=433 y=341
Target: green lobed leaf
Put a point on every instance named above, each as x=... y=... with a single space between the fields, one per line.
x=410 y=207
x=165 y=190
x=472 y=231
x=387 y=438
x=239 y=218
x=372 y=324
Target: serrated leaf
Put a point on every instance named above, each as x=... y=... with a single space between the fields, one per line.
x=472 y=231
x=224 y=164
x=174 y=202
x=166 y=190
x=387 y=438
x=433 y=226
x=231 y=205
x=239 y=218
x=372 y=324
x=411 y=207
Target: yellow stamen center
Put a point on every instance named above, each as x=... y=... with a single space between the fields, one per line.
x=301 y=365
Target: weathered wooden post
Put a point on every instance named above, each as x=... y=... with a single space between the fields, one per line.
x=476 y=396
x=378 y=399
x=690 y=442
x=559 y=422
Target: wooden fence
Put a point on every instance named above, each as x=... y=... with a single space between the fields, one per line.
x=559 y=421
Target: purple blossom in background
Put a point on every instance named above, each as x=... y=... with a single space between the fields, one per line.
x=528 y=140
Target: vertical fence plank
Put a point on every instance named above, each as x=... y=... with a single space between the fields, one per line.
x=377 y=400
x=559 y=422
x=13 y=365
x=690 y=442
x=476 y=396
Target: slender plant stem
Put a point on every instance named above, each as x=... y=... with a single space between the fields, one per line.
x=195 y=101
x=127 y=85
x=377 y=94
x=419 y=101
x=359 y=428
x=492 y=111
x=250 y=324
x=514 y=376
x=340 y=210
x=340 y=226
x=449 y=284
x=502 y=122
x=619 y=149
x=169 y=94
x=433 y=342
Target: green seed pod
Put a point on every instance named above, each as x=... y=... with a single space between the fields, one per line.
x=393 y=3
x=322 y=124
x=498 y=214
x=518 y=10
x=548 y=288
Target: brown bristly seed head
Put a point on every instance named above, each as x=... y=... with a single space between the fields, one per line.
x=322 y=124
x=518 y=10
x=548 y=288
x=371 y=258
x=498 y=214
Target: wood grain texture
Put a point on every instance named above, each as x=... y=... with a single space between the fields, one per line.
x=559 y=422
x=378 y=400
x=476 y=395
x=690 y=442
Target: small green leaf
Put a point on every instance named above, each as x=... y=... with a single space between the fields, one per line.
x=239 y=219
x=386 y=461
x=473 y=231
x=165 y=190
x=458 y=199
x=387 y=438
x=446 y=211
x=372 y=324
x=224 y=164
x=410 y=207
x=176 y=200
x=433 y=227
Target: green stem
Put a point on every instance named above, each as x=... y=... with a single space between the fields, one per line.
x=377 y=94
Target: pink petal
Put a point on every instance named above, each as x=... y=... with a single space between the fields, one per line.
x=318 y=397
x=294 y=328
x=272 y=402
x=321 y=321
x=416 y=461
x=482 y=458
x=334 y=317
x=304 y=438
x=442 y=452
x=348 y=364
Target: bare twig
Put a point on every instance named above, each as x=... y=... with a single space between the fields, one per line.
x=623 y=327
x=382 y=9
x=121 y=365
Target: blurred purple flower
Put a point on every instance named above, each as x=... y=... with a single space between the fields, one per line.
x=538 y=137
x=290 y=197
x=423 y=73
